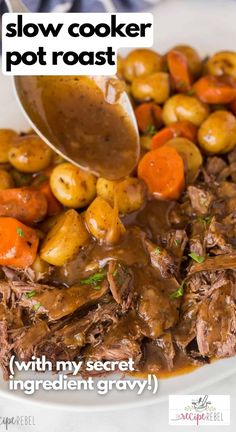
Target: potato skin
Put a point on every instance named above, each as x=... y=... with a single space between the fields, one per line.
x=191 y=155
x=182 y=107
x=130 y=193
x=103 y=222
x=6 y=180
x=141 y=62
x=222 y=63
x=154 y=87
x=30 y=154
x=7 y=138
x=71 y=186
x=65 y=239
x=193 y=59
x=218 y=133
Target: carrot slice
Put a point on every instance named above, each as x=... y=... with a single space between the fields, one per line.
x=27 y=205
x=54 y=207
x=183 y=129
x=215 y=90
x=162 y=170
x=18 y=243
x=179 y=71
x=148 y=114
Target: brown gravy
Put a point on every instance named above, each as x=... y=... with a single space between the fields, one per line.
x=81 y=116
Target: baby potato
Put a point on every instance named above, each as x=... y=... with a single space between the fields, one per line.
x=191 y=155
x=218 y=133
x=152 y=87
x=72 y=186
x=222 y=63
x=6 y=180
x=103 y=222
x=141 y=62
x=193 y=59
x=182 y=107
x=65 y=239
x=7 y=137
x=129 y=193
x=40 y=267
x=30 y=154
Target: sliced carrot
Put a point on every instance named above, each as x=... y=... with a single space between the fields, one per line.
x=162 y=170
x=183 y=129
x=54 y=207
x=179 y=70
x=18 y=243
x=26 y=204
x=148 y=114
x=215 y=89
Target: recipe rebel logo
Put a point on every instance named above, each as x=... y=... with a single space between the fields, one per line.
x=199 y=410
x=70 y=43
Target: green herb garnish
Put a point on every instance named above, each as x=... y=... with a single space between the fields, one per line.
x=190 y=92
x=94 y=279
x=204 y=220
x=177 y=242
x=36 y=306
x=20 y=232
x=198 y=258
x=151 y=130
x=157 y=250
x=30 y=294
x=180 y=84
x=179 y=292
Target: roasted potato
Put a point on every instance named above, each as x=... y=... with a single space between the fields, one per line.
x=103 y=222
x=222 y=63
x=30 y=154
x=7 y=138
x=6 y=180
x=154 y=87
x=141 y=62
x=182 y=107
x=193 y=59
x=128 y=193
x=218 y=133
x=65 y=239
x=40 y=268
x=72 y=186
x=191 y=155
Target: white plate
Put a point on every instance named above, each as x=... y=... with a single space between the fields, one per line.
x=209 y=26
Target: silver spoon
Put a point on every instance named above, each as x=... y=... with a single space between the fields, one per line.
x=92 y=150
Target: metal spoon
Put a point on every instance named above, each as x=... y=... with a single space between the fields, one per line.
x=95 y=149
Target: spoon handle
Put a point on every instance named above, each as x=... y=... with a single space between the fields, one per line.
x=16 y=6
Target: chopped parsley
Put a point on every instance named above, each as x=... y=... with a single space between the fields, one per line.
x=20 y=232
x=198 y=258
x=36 y=306
x=30 y=294
x=177 y=242
x=179 y=292
x=157 y=250
x=151 y=130
x=94 y=279
x=190 y=92
x=204 y=220
x=181 y=84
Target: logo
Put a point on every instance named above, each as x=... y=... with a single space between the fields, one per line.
x=199 y=410
x=7 y=422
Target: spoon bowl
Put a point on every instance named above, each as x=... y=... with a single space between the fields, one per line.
x=88 y=120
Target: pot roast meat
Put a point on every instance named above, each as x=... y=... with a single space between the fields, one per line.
x=161 y=259
x=28 y=338
x=216 y=325
x=121 y=342
x=120 y=280
x=216 y=238
x=201 y=200
x=59 y=302
x=219 y=262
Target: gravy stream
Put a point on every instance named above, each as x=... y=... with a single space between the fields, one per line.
x=81 y=116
